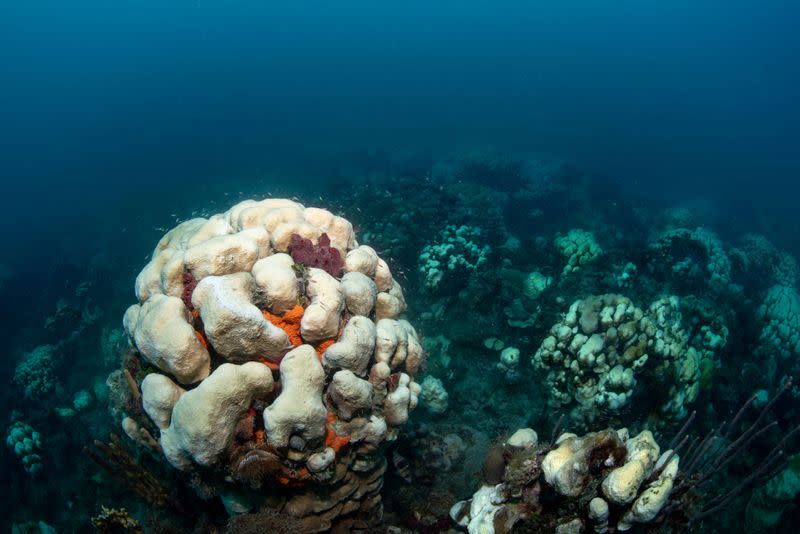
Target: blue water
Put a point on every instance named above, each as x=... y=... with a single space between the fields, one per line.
x=119 y=119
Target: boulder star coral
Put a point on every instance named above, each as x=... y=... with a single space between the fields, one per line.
x=271 y=368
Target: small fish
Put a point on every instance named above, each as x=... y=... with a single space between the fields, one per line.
x=401 y=466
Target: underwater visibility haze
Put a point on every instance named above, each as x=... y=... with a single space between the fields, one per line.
x=419 y=267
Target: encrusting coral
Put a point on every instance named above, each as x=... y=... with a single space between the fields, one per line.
x=280 y=362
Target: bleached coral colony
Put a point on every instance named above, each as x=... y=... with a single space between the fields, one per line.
x=596 y=354
x=271 y=357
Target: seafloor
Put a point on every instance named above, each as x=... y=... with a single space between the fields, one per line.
x=506 y=264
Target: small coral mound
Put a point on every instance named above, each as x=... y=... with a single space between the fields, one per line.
x=509 y=364
x=273 y=359
x=35 y=374
x=434 y=396
x=694 y=258
x=457 y=251
x=579 y=248
x=26 y=444
x=602 y=481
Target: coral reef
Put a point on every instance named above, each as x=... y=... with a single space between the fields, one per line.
x=264 y=374
x=267 y=520
x=273 y=374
